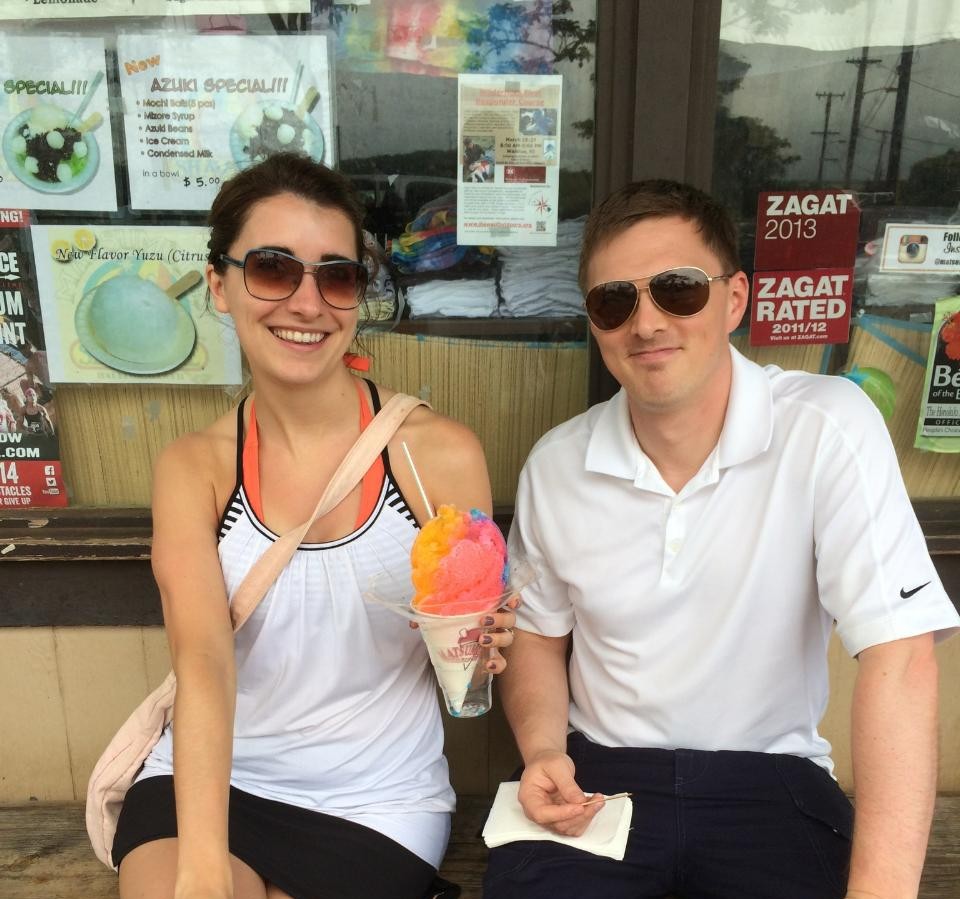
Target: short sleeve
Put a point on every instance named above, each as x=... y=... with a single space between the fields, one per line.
x=874 y=572
x=546 y=607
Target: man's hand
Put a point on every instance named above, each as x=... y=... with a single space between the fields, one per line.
x=550 y=796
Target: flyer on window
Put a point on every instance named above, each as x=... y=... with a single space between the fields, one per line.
x=198 y=109
x=54 y=112
x=128 y=304
x=89 y=9
x=30 y=473
x=508 y=131
x=939 y=426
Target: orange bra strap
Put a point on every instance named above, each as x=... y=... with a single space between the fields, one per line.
x=251 y=465
x=373 y=479
x=369 y=486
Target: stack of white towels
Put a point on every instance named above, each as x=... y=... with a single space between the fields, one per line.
x=471 y=298
x=543 y=280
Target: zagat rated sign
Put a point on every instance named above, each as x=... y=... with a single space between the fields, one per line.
x=806 y=229
x=801 y=307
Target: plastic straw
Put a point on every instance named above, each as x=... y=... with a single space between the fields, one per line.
x=416 y=477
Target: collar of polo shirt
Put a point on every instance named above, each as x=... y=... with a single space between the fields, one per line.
x=747 y=430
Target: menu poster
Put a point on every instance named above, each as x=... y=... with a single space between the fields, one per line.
x=30 y=473
x=88 y=9
x=124 y=304
x=57 y=146
x=198 y=109
x=508 y=130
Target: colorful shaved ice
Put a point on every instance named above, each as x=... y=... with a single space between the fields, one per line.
x=459 y=563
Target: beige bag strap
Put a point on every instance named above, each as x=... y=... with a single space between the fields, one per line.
x=354 y=465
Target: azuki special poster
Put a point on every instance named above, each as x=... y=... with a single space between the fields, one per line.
x=30 y=473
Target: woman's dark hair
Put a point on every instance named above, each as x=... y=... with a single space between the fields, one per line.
x=282 y=173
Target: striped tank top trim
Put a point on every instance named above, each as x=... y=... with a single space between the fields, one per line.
x=375 y=492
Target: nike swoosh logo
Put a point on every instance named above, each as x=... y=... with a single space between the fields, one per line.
x=906 y=594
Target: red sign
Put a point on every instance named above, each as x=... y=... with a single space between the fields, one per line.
x=525 y=174
x=806 y=229
x=24 y=484
x=801 y=307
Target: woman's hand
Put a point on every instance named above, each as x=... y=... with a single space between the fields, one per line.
x=498 y=632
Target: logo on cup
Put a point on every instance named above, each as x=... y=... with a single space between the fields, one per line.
x=467 y=650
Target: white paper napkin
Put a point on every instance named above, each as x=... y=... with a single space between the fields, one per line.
x=606 y=835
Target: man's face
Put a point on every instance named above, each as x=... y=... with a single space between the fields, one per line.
x=30 y=395
x=665 y=362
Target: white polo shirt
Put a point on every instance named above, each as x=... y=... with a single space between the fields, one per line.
x=700 y=619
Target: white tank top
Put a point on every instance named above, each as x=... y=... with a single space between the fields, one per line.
x=336 y=705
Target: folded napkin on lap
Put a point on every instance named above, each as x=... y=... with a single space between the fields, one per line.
x=606 y=835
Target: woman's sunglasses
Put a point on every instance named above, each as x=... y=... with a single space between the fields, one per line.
x=274 y=275
x=677 y=291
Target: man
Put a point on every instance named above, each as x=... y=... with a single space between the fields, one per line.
x=696 y=537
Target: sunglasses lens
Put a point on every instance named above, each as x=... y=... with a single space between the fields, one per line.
x=271 y=276
x=342 y=284
x=680 y=291
x=610 y=305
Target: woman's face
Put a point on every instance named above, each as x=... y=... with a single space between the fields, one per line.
x=30 y=395
x=301 y=339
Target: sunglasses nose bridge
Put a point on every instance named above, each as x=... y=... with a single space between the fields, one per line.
x=647 y=313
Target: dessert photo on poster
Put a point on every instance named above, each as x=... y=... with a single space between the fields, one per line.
x=127 y=304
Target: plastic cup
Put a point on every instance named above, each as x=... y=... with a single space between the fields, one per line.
x=453 y=643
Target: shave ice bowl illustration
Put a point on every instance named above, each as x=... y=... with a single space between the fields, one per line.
x=133 y=325
x=49 y=151
x=275 y=126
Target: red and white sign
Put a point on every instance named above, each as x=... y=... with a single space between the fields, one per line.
x=806 y=229
x=26 y=484
x=801 y=307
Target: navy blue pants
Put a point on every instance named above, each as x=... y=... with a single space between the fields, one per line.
x=706 y=825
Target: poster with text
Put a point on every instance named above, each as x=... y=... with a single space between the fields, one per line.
x=939 y=426
x=55 y=120
x=124 y=304
x=88 y=9
x=508 y=131
x=198 y=109
x=30 y=473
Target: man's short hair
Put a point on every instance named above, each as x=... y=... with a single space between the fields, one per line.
x=659 y=198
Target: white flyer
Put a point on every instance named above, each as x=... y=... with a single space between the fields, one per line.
x=88 y=9
x=198 y=109
x=57 y=143
x=921 y=248
x=509 y=174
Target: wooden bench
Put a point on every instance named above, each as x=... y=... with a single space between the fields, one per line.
x=44 y=853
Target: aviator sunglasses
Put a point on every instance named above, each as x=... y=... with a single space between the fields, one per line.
x=677 y=291
x=275 y=275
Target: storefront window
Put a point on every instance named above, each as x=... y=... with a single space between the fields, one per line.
x=836 y=121
x=467 y=129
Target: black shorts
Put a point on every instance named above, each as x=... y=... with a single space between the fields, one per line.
x=305 y=853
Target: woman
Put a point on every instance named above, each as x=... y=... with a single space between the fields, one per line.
x=34 y=418
x=308 y=755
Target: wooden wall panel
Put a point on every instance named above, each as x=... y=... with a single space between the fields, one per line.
x=34 y=754
x=103 y=677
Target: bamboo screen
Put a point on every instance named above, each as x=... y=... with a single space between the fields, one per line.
x=508 y=392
